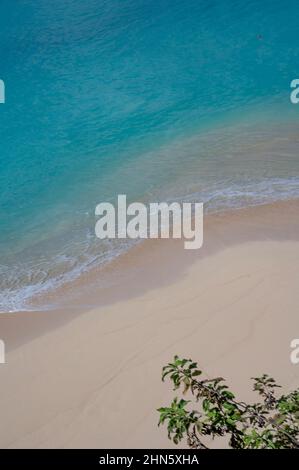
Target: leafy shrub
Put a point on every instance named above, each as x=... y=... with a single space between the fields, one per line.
x=272 y=423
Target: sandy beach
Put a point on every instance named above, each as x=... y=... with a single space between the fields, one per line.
x=92 y=377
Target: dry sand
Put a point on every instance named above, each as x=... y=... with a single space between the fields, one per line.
x=92 y=378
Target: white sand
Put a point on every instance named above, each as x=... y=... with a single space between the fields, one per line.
x=95 y=381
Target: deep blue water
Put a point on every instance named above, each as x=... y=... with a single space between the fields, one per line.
x=155 y=99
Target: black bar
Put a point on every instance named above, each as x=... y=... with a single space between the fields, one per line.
x=140 y=458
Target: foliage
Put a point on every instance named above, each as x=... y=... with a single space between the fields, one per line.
x=271 y=423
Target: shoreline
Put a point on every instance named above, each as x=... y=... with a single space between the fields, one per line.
x=133 y=270
x=48 y=296
x=92 y=378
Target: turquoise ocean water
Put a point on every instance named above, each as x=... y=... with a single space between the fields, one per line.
x=157 y=99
